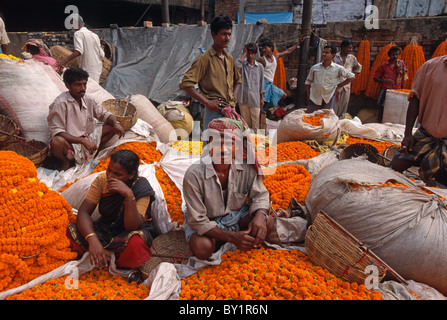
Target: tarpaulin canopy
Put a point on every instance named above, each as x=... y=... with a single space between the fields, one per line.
x=271 y=17
x=152 y=61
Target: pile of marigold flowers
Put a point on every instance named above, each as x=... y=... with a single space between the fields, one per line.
x=286 y=182
x=146 y=151
x=270 y=274
x=286 y=151
x=379 y=145
x=314 y=120
x=33 y=223
x=97 y=284
x=172 y=194
x=189 y=147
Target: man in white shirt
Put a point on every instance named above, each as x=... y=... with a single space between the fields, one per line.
x=87 y=49
x=325 y=81
x=4 y=40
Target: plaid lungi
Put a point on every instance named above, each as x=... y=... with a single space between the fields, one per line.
x=381 y=97
x=428 y=152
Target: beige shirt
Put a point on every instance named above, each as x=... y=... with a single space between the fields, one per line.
x=216 y=77
x=66 y=115
x=430 y=87
x=89 y=45
x=351 y=64
x=205 y=199
x=3 y=35
x=324 y=81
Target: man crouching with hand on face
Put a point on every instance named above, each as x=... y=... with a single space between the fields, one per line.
x=74 y=121
x=225 y=197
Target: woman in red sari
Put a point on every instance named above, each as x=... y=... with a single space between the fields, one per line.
x=123 y=199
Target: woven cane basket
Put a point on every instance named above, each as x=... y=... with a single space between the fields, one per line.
x=36 y=151
x=330 y=246
x=360 y=149
x=388 y=154
x=169 y=247
x=124 y=112
x=8 y=128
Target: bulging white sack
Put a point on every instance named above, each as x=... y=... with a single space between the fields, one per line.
x=405 y=227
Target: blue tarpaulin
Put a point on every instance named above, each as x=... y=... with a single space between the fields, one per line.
x=271 y=17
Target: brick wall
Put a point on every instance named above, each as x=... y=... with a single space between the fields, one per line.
x=227 y=7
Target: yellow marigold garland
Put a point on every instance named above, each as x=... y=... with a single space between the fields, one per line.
x=441 y=50
x=414 y=58
x=269 y=274
x=33 y=222
x=364 y=57
x=373 y=88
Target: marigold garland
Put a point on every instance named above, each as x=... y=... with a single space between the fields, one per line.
x=94 y=285
x=286 y=151
x=280 y=78
x=414 y=58
x=269 y=274
x=364 y=58
x=441 y=50
x=373 y=88
x=286 y=182
x=33 y=223
x=189 y=147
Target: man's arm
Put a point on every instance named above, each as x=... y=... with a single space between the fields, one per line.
x=412 y=114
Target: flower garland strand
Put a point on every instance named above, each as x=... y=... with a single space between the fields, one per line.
x=33 y=223
x=286 y=151
x=441 y=50
x=414 y=58
x=364 y=57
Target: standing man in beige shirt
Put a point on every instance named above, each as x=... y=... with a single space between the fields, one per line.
x=427 y=147
x=75 y=133
x=325 y=81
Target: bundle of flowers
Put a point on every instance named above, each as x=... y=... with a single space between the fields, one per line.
x=314 y=120
x=364 y=57
x=286 y=182
x=414 y=58
x=33 y=223
x=270 y=274
x=441 y=50
x=97 y=284
x=286 y=151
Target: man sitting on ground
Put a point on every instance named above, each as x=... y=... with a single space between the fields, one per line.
x=225 y=198
x=75 y=133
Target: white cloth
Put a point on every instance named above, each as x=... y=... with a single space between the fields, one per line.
x=87 y=43
x=3 y=35
x=324 y=81
x=270 y=69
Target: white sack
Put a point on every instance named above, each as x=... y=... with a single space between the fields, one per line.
x=147 y=112
x=292 y=127
x=405 y=227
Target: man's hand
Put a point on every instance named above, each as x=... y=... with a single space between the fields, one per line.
x=217 y=104
x=407 y=143
x=89 y=145
x=258 y=228
x=243 y=240
x=119 y=130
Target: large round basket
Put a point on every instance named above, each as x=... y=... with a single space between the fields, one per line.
x=358 y=150
x=388 y=154
x=36 y=151
x=106 y=67
x=169 y=247
x=330 y=246
x=124 y=112
x=8 y=128
x=60 y=53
